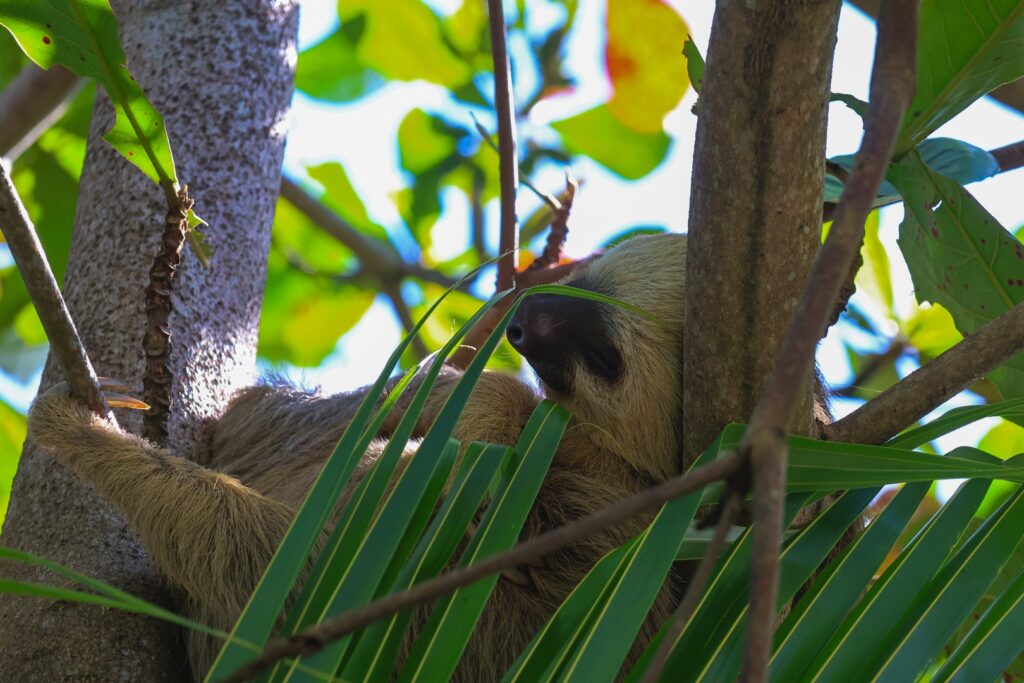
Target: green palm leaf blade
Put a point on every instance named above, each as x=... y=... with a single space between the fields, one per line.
x=955 y=591
x=855 y=644
x=605 y=645
x=992 y=644
x=260 y=614
x=372 y=557
x=834 y=593
x=724 y=599
x=798 y=561
x=440 y=644
x=378 y=646
x=955 y=419
x=965 y=49
x=553 y=644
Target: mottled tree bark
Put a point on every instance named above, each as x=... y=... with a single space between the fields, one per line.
x=221 y=74
x=755 y=203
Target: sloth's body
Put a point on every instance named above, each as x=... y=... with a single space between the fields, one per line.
x=212 y=528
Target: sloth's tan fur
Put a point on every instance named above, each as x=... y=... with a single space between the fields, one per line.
x=212 y=529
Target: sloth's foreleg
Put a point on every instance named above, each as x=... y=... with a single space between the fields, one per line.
x=207 y=533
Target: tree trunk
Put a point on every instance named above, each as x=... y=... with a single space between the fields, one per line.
x=755 y=203
x=221 y=74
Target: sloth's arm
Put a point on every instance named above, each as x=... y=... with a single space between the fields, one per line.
x=192 y=520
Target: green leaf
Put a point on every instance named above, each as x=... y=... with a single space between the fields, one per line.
x=402 y=39
x=955 y=419
x=959 y=256
x=424 y=141
x=12 y=436
x=965 y=49
x=331 y=69
x=598 y=134
x=82 y=35
x=957 y=159
x=858 y=106
x=874 y=278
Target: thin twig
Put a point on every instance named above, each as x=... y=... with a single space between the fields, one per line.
x=46 y=297
x=374 y=256
x=933 y=384
x=695 y=589
x=764 y=442
x=552 y=253
x=318 y=637
x=508 y=241
x=548 y=199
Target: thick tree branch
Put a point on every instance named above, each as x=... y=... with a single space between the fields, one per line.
x=764 y=442
x=508 y=242
x=933 y=384
x=317 y=637
x=46 y=297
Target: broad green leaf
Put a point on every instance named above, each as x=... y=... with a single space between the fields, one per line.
x=648 y=76
x=598 y=134
x=858 y=106
x=959 y=256
x=931 y=331
x=874 y=277
x=858 y=640
x=957 y=159
x=965 y=49
x=402 y=40
x=331 y=69
x=339 y=196
x=992 y=644
x=423 y=141
x=949 y=598
x=440 y=644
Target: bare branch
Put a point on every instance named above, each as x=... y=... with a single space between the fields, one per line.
x=764 y=442
x=933 y=384
x=374 y=257
x=559 y=227
x=318 y=637
x=1011 y=156
x=31 y=103
x=46 y=297
x=508 y=242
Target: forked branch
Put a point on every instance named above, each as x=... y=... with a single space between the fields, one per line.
x=764 y=443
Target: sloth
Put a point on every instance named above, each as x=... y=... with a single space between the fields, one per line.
x=211 y=526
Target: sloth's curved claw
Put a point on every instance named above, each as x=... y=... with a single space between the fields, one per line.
x=115 y=391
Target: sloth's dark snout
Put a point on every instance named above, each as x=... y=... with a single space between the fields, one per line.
x=552 y=331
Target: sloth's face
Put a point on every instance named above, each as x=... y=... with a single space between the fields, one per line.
x=616 y=371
